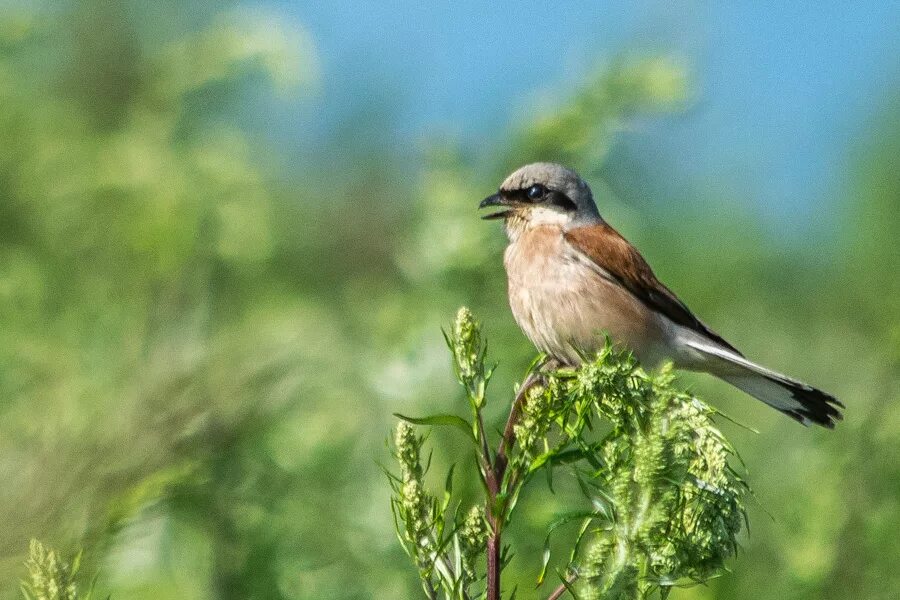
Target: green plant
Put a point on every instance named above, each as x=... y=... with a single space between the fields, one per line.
x=50 y=577
x=663 y=507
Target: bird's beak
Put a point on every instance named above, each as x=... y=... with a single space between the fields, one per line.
x=495 y=200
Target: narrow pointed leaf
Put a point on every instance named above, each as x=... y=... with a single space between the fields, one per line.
x=441 y=420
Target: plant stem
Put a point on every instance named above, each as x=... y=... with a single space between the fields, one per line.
x=493 y=564
x=496 y=514
x=509 y=432
x=557 y=593
x=561 y=589
x=485 y=449
x=429 y=589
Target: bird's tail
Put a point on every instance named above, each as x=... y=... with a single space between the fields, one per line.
x=796 y=399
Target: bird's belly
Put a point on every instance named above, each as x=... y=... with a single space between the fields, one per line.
x=566 y=308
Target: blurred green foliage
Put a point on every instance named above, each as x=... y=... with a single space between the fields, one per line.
x=199 y=353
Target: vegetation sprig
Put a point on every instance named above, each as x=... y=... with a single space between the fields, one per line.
x=51 y=577
x=663 y=505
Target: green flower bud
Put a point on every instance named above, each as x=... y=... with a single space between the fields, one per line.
x=473 y=538
x=467 y=346
x=408 y=446
x=50 y=578
x=678 y=506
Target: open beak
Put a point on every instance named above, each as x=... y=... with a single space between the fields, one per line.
x=495 y=200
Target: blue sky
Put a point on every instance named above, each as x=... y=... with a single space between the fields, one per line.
x=784 y=88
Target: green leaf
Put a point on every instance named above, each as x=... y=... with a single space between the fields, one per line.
x=583 y=486
x=441 y=420
x=448 y=488
x=92 y=587
x=539 y=462
x=447 y=339
x=513 y=501
x=576 y=546
x=545 y=560
x=499 y=501
x=557 y=523
x=506 y=555
x=447 y=539
x=570 y=455
x=536 y=363
x=76 y=561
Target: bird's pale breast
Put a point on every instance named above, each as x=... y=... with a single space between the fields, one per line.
x=563 y=303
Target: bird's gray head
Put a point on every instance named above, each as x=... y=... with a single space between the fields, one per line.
x=543 y=194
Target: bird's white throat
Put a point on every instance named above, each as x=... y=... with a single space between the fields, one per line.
x=534 y=216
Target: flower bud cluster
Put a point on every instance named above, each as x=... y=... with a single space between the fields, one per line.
x=678 y=505
x=473 y=538
x=415 y=504
x=468 y=353
x=50 y=578
x=535 y=419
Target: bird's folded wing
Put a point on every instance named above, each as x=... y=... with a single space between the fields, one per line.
x=619 y=261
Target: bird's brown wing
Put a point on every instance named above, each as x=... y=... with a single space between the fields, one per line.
x=607 y=249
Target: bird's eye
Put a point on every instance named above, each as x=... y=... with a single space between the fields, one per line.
x=536 y=192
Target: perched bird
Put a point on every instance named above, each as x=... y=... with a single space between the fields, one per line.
x=573 y=280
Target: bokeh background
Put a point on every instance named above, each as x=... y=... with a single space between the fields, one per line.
x=230 y=234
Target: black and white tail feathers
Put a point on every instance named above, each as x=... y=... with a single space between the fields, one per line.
x=796 y=399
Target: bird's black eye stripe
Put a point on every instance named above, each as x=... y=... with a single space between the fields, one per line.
x=538 y=193
x=561 y=200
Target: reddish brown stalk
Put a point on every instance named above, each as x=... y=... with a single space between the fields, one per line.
x=494 y=478
x=493 y=564
x=559 y=591
x=509 y=432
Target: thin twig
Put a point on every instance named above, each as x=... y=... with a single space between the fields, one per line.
x=559 y=591
x=509 y=432
x=495 y=480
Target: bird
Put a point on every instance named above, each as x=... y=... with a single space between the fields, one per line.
x=574 y=282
